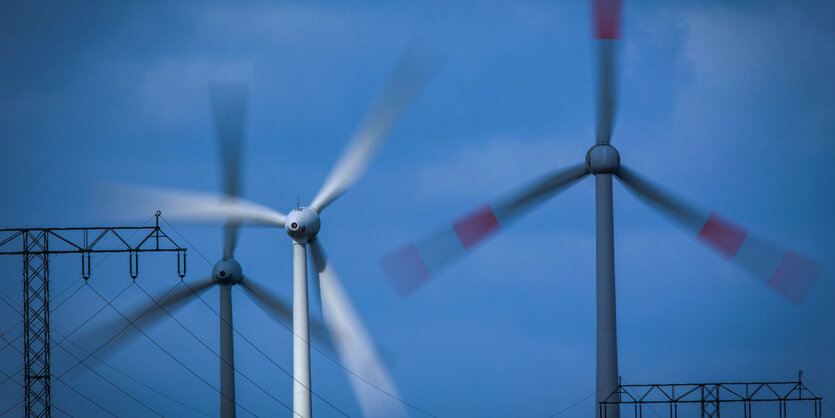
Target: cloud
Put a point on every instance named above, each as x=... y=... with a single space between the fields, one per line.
x=729 y=45
x=745 y=70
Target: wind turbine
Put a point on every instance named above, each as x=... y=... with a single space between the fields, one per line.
x=228 y=107
x=784 y=271
x=368 y=376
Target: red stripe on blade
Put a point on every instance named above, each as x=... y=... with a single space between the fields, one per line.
x=474 y=227
x=795 y=277
x=405 y=268
x=723 y=235
x=606 y=19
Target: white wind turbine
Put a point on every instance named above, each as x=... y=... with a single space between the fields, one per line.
x=228 y=108
x=369 y=378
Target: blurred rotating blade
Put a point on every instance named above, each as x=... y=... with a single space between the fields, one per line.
x=230 y=238
x=416 y=68
x=130 y=202
x=413 y=264
x=280 y=310
x=606 y=32
x=273 y=305
x=145 y=316
x=786 y=272
x=373 y=387
x=228 y=107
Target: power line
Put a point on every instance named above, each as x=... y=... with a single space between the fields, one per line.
x=151 y=388
x=76 y=329
x=67 y=298
x=85 y=397
x=65 y=338
x=10 y=376
x=248 y=341
x=108 y=303
x=6 y=295
x=131 y=323
x=90 y=368
x=333 y=360
x=236 y=330
x=3 y=297
x=108 y=381
x=210 y=349
x=10 y=328
x=64 y=290
x=186 y=241
x=10 y=342
x=61 y=410
x=11 y=407
x=578 y=402
x=560 y=412
x=819 y=393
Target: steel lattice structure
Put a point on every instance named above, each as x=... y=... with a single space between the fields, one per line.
x=36 y=322
x=33 y=244
x=710 y=396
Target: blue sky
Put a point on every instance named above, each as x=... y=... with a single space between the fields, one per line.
x=731 y=106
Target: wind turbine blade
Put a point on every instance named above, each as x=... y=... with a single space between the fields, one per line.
x=119 y=332
x=130 y=202
x=416 y=68
x=227 y=355
x=228 y=106
x=788 y=273
x=606 y=32
x=281 y=311
x=413 y=264
x=373 y=387
x=269 y=302
x=230 y=238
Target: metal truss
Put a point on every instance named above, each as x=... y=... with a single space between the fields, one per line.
x=710 y=396
x=36 y=323
x=35 y=245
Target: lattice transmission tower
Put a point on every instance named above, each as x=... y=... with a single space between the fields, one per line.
x=709 y=397
x=35 y=245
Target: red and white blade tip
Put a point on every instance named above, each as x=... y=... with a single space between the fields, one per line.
x=788 y=273
x=606 y=19
x=411 y=265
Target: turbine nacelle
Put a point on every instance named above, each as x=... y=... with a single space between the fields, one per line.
x=227 y=272
x=302 y=224
x=603 y=159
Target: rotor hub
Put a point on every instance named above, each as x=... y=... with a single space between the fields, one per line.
x=227 y=272
x=302 y=224
x=603 y=159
